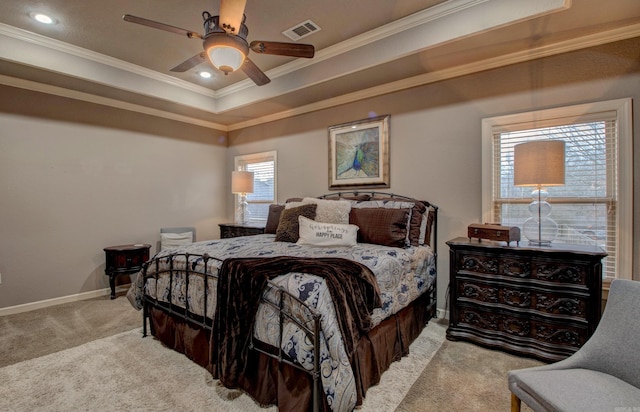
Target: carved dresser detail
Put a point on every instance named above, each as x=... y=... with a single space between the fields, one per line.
x=541 y=302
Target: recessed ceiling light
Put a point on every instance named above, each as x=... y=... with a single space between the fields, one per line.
x=205 y=75
x=42 y=18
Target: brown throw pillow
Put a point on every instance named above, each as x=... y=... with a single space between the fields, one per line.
x=418 y=210
x=380 y=226
x=288 y=228
x=273 y=219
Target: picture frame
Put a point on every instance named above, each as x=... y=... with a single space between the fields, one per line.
x=359 y=154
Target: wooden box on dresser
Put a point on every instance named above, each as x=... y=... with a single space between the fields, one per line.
x=541 y=302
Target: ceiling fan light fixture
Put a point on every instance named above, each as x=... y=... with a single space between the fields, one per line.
x=226 y=52
x=226 y=58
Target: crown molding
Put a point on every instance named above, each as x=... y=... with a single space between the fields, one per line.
x=105 y=101
x=89 y=55
x=452 y=21
x=411 y=34
x=597 y=39
x=417 y=19
x=566 y=46
x=398 y=26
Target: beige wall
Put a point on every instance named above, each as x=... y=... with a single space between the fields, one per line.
x=75 y=178
x=67 y=190
x=436 y=131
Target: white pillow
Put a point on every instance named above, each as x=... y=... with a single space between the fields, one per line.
x=174 y=240
x=326 y=234
x=330 y=211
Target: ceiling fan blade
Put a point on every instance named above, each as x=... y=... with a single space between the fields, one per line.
x=231 y=15
x=283 y=49
x=190 y=63
x=254 y=72
x=161 y=26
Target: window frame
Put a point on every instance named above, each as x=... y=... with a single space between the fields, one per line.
x=535 y=119
x=240 y=163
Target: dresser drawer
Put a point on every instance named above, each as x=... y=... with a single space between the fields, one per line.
x=545 y=302
x=525 y=267
x=529 y=329
x=477 y=263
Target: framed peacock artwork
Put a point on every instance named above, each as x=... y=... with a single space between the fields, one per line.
x=359 y=154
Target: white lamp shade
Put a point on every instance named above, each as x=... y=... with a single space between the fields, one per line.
x=539 y=163
x=241 y=182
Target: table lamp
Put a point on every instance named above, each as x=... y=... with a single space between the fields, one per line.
x=241 y=184
x=540 y=164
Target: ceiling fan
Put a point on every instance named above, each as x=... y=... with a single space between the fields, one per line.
x=225 y=42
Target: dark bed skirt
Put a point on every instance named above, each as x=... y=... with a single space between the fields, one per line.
x=269 y=382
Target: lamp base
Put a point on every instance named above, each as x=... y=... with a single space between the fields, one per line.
x=540 y=232
x=242 y=214
x=540 y=229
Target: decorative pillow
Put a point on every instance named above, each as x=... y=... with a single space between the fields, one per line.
x=418 y=208
x=387 y=203
x=326 y=234
x=174 y=240
x=288 y=227
x=273 y=218
x=381 y=226
x=330 y=211
x=425 y=226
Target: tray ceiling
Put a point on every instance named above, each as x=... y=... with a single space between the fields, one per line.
x=363 y=48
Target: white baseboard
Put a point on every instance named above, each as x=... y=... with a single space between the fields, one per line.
x=442 y=314
x=11 y=310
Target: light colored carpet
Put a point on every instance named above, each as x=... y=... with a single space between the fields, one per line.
x=465 y=377
x=43 y=331
x=125 y=372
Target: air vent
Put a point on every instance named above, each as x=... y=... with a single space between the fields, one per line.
x=301 y=30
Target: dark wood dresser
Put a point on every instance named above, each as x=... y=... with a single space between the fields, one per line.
x=541 y=302
x=228 y=230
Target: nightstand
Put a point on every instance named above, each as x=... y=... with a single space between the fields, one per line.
x=228 y=230
x=541 y=302
x=124 y=260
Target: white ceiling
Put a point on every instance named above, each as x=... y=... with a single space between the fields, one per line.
x=364 y=48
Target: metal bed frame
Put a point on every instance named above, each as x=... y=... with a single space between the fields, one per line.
x=274 y=296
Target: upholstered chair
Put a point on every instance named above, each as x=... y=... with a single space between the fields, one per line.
x=603 y=375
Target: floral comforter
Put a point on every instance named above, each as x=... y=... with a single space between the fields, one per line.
x=402 y=275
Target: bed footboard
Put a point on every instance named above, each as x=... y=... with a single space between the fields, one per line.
x=194 y=276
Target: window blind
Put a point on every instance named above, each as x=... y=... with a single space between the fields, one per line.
x=585 y=206
x=263 y=166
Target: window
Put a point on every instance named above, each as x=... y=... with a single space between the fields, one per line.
x=594 y=206
x=263 y=166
